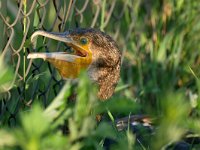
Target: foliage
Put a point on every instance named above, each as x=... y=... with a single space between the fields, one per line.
x=41 y=129
x=159 y=77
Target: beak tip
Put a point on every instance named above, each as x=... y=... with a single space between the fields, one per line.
x=32 y=56
x=37 y=55
x=29 y=56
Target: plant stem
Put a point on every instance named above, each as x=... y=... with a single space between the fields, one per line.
x=24 y=48
x=103 y=14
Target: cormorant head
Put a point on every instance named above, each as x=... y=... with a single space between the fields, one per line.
x=91 y=50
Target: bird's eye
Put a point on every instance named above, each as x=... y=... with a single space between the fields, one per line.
x=83 y=40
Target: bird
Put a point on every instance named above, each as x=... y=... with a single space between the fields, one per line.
x=98 y=54
x=92 y=50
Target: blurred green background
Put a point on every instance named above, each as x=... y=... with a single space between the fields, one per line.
x=159 y=41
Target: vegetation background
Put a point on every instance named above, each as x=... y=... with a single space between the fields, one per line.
x=159 y=40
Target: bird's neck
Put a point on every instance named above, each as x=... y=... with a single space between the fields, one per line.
x=107 y=82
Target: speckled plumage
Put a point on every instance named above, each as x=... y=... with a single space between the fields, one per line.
x=106 y=61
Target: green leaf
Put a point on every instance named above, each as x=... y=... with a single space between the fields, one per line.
x=35 y=123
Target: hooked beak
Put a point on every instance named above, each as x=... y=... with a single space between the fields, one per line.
x=63 y=37
x=69 y=65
